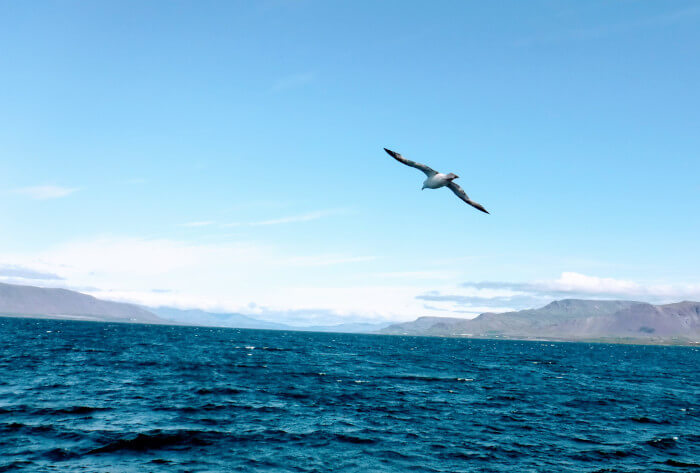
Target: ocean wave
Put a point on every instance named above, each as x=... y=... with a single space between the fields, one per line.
x=156 y=440
x=663 y=443
x=15 y=465
x=353 y=439
x=648 y=420
x=218 y=391
x=680 y=464
x=60 y=454
x=74 y=410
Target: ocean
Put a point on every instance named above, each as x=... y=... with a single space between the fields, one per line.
x=100 y=397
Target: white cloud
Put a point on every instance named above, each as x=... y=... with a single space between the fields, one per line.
x=501 y=296
x=271 y=283
x=575 y=282
x=234 y=277
x=45 y=192
x=337 y=304
x=579 y=285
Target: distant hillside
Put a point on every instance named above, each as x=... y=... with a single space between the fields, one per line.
x=24 y=301
x=31 y=301
x=570 y=319
x=233 y=320
x=215 y=319
x=358 y=327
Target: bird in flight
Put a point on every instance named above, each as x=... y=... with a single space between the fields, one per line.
x=436 y=179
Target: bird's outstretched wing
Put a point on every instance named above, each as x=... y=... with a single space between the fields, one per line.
x=459 y=192
x=430 y=172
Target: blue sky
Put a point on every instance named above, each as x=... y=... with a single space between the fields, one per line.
x=228 y=155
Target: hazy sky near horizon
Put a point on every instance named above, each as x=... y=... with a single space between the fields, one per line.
x=228 y=155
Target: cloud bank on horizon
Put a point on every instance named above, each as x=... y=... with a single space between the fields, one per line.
x=497 y=295
x=260 y=280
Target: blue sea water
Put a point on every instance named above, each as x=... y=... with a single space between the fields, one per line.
x=93 y=397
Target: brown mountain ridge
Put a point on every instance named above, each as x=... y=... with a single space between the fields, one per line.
x=571 y=319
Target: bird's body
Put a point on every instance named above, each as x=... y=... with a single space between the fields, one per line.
x=436 y=180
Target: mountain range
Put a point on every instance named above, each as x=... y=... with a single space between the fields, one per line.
x=571 y=319
x=568 y=319
x=28 y=301
x=31 y=301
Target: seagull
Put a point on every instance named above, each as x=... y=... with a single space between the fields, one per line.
x=436 y=179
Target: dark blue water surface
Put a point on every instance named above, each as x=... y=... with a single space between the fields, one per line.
x=91 y=397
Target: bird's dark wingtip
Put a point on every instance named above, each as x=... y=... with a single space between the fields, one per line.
x=390 y=153
x=478 y=206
